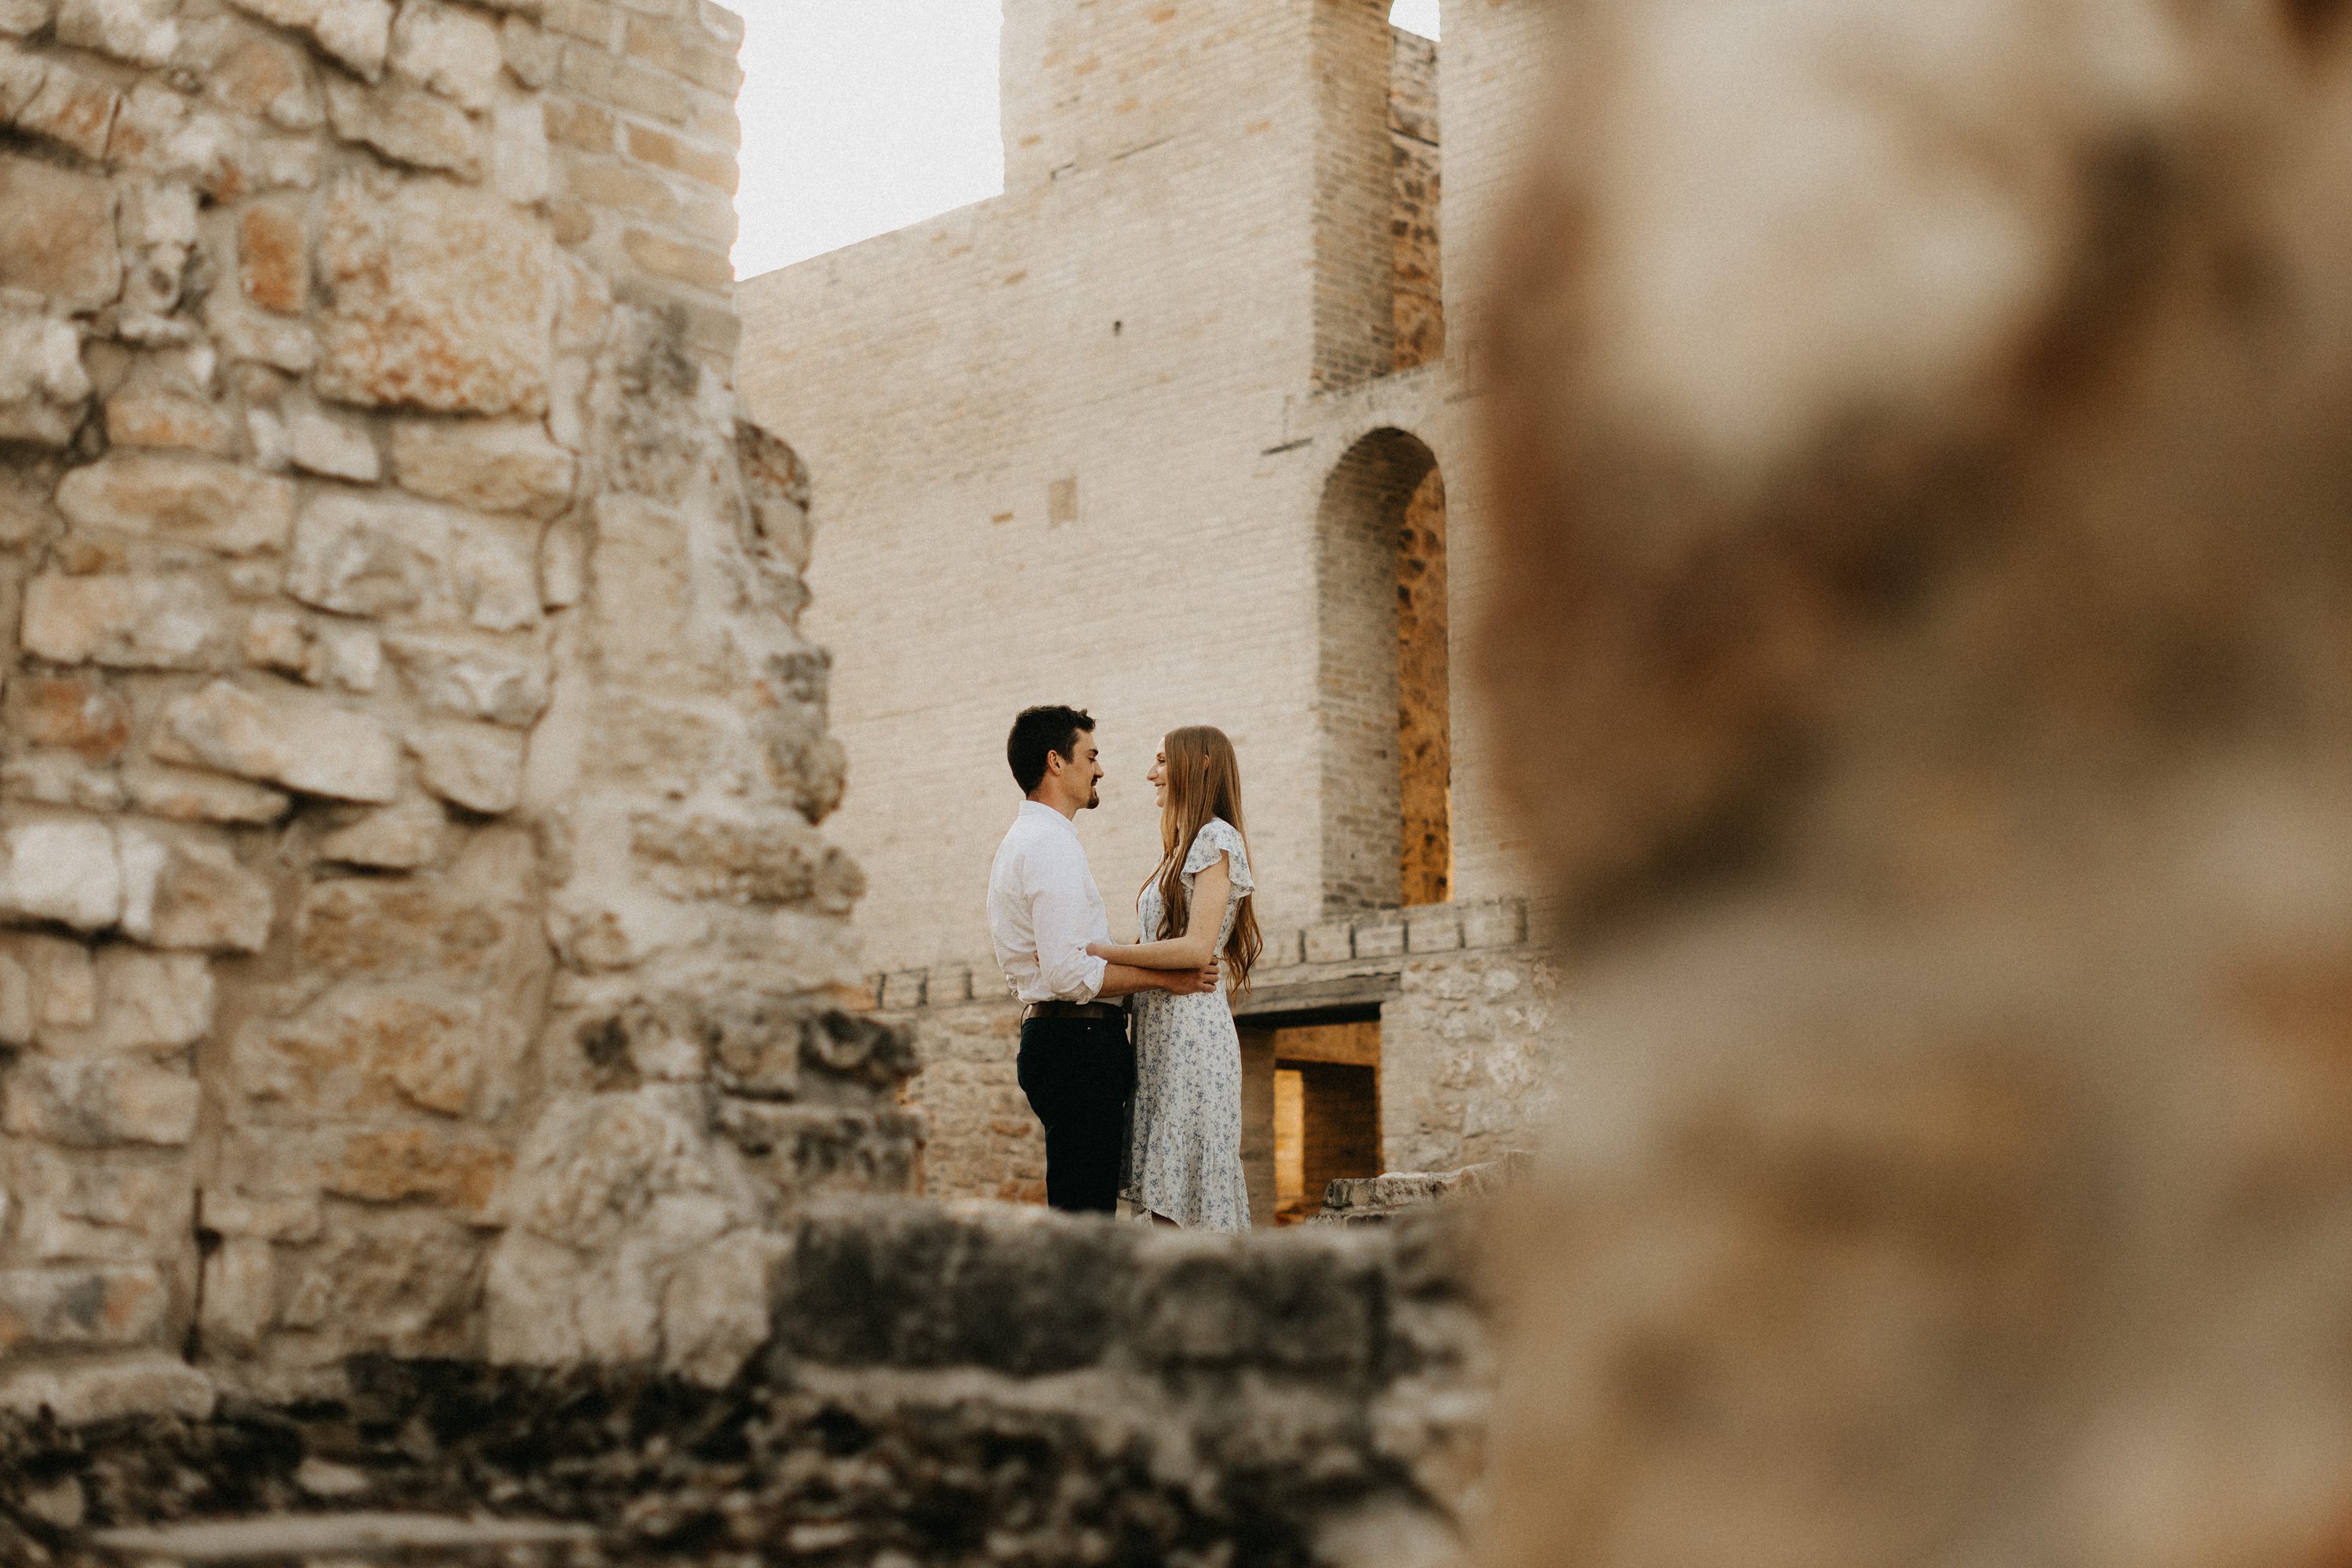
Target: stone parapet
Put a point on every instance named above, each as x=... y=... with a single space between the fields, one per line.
x=1300 y=954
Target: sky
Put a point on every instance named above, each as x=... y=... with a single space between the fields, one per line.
x=863 y=116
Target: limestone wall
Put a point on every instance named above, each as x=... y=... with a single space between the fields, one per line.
x=411 y=761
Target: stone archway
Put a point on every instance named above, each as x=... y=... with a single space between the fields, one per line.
x=1384 y=677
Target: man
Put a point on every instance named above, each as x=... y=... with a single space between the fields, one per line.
x=1076 y=1065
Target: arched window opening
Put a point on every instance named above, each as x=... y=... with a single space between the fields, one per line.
x=1384 y=708
x=1424 y=693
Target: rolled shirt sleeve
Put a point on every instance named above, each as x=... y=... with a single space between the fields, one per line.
x=1062 y=920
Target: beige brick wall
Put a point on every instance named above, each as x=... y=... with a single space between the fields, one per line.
x=1133 y=326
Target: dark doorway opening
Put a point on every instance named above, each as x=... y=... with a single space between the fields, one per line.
x=1310 y=1108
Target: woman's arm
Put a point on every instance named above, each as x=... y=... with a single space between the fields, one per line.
x=1212 y=887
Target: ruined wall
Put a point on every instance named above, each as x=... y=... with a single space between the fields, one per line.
x=1472 y=1031
x=407 y=740
x=947 y=1385
x=1135 y=334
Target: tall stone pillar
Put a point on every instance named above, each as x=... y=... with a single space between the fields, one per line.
x=407 y=818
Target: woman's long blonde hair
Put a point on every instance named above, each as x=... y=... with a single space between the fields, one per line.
x=1204 y=780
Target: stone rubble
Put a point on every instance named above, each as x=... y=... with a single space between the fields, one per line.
x=938 y=1384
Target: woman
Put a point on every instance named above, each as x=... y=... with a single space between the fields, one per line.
x=1184 y=1151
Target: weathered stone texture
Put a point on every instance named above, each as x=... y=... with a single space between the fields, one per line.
x=326 y=739
x=1927 y=690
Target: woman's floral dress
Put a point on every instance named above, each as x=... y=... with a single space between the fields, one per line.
x=1184 y=1143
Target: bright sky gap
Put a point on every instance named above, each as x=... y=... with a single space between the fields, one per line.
x=861 y=118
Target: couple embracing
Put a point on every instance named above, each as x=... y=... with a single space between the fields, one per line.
x=1154 y=1117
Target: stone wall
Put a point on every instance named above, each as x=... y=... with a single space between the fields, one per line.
x=945 y=1386
x=1472 y=1029
x=411 y=763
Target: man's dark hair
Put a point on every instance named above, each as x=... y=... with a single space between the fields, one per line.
x=1037 y=732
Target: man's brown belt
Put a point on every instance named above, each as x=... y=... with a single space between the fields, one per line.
x=1074 y=1010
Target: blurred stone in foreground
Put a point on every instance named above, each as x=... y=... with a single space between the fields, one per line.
x=1926 y=440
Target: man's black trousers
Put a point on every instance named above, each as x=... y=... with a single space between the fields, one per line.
x=1077 y=1074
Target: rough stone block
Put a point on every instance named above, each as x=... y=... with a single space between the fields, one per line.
x=771 y=858
x=1213 y=1301
x=473 y=925
x=155 y=1002
x=86 y=1392
x=60 y=241
x=405 y=1282
x=507 y=465
x=192 y=893
x=82 y=1208
x=44 y=392
x=331 y=653
x=913 y=1286
x=282 y=735
x=803 y=1151
x=171 y=417
x=240 y=1295
x=250 y=336
x=273 y=257
x=127 y=622
x=316 y=443
x=866 y=1050
x=94 y=1102
x=439 y=299
x=364 y=1050
x=64 y=870
x=715 y=1308
x=409 y=126
x=453 y=52
x=139 y=31
x=358 y=556
x=182 y=501
x=72 y=107
x=182 y=795
x=470 y=766
x=503 y=683
x=64 y=981
x=456 y=1167
x=79 y=712
x=79 y=1306
x=357 y=33
x=255 y=73
x=397 y=838
x=595 y=1164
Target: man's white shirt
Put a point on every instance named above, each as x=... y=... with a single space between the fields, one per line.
x=1044 y=907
